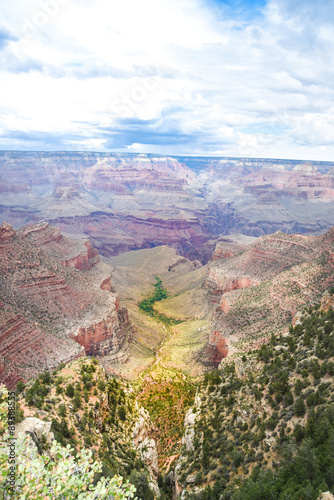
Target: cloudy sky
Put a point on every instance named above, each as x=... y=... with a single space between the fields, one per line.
x=207 y=77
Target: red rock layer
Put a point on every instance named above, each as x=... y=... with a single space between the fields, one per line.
x=51 y=294
x=84 y=261
x=40 y=300
x=224 y=305
x=259 y=290
x=42 y=234
x=219 y=285
x=81 y=256
x=217 y=348
x=26 y=350
x=106 y=336
x=107 y=285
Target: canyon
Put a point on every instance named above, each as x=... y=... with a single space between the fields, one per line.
x=239 y=246
x=258 y=288
x=122 y=202
x=61 y=300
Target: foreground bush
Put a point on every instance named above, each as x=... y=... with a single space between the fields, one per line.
x=53 y=475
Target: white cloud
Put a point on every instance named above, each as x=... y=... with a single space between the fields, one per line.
x=261 y=86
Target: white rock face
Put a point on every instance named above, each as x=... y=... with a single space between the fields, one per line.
x=149 y=455
x=189 y=422
x=189 y=432
x=36 y=429
x=188 y=441
x=326 y=496
x=34 y=425
x=146 y=447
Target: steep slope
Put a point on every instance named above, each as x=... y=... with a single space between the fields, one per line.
x=256 y=289
x=52 y=308
x=262 y=426
x=89 y=409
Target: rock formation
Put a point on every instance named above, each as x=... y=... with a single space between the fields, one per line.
x=7 y=233
x=106 y=336
x=258 y=287
x=27 y=349
x=124 y=202
x=38 y=430
x=52 y=308
x=327 y=302
x=143 y=442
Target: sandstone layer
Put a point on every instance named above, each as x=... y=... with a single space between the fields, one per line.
x=257 y=289
x=123 y=202
x=52 y=306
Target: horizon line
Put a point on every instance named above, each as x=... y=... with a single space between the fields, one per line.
x=162 y=155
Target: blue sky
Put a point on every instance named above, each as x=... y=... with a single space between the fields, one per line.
x=192 y=77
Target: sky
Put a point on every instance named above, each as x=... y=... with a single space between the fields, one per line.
x=180 y=77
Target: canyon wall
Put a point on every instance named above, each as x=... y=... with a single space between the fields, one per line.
x=52 y=306
x=106 y=336
x=258 y=288
x=123 y=202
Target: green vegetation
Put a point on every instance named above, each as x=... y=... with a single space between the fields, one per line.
x=268 y=434
x=167 y=401
x=159 y=294
x=88 y=409
x=56 y=473
x=166 y=393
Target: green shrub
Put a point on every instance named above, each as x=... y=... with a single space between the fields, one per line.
x=69 y=391
x=300 y=407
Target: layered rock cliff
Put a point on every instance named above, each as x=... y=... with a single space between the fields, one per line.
x=260 y=286
x=124 y=202
x=108 y=336
x=52 y=306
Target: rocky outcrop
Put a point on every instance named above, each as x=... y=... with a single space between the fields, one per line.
x=146 y=447
x=326 y=496
x=82 y=256
x=84 y=261
x=107 y=285
x=224 y=305
x=7 y=233
x=188 y=443
x=217 y=348
x=189 y=422
x=327 y=302
x=42 y=234
x=106 y=336
x=226 y=248
x=296 y=320
x=39 y=432
x=219 y=285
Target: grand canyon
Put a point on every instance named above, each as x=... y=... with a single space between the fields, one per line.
x=123 y=202
x=237 y=248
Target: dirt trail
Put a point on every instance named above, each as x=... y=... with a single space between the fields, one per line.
x=150 y=258
x=159 y=353
x=169 y=462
